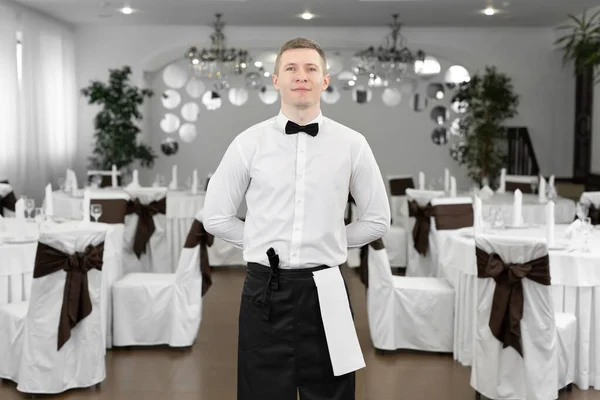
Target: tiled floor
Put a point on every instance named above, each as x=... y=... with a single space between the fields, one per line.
x=207 y=371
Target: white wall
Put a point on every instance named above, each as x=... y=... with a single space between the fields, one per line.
x=400 y=139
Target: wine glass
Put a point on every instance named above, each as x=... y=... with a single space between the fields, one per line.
x=96 y=211
x=61 y=184
x=533 y=185
x=30 y=206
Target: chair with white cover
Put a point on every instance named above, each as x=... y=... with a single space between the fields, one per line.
x=521 y=182
x=146 y=248
x=420 y=212
x=448 y=214
x=407 y=312
x=114 y=207
x=55 y=341
x=157 y=308
x=522 y=349
x=106 y=177
x=592 y=201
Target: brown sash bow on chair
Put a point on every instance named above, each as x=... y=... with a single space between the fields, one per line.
x=145 y=226
x=453 y=216
x=363 y=269
x=76 y=303
x=9 y=201
x=507 y=305
x=398 y=186
x=199 y=236
x=594 y=214
x=422 y=225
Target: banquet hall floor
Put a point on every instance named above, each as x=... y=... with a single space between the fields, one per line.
x=207 y=370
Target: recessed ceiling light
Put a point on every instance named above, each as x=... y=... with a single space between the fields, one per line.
x=489 y=11
x=127 y=10
x=306 y=15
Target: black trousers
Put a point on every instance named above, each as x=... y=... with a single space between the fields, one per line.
x=282 y=348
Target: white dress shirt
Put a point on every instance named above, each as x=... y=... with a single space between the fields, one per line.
x=296 y=189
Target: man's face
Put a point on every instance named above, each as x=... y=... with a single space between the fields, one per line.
x=301 y=78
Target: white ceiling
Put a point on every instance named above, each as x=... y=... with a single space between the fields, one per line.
x=457 y=13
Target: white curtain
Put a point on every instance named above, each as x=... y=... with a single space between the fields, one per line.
x=9 y=90
x=43 y=143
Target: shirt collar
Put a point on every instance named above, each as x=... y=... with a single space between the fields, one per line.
x=282 y=120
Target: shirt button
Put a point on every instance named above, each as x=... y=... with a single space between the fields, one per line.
x=296 y=228
x=299 y=201
x=300 y=175
x=301 y=151
x=294 y=254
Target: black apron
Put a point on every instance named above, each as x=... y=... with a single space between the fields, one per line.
x=282 y=347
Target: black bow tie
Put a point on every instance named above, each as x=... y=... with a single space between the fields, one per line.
x=310 y=129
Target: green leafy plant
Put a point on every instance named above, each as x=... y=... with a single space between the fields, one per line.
x=488 y=100
x=581 y=43
x=115 y=125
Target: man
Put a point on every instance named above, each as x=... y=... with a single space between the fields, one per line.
x=295 y=171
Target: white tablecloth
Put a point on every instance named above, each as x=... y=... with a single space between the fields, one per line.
x=575 y=287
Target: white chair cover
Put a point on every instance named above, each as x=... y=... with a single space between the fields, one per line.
x=419 y=265
x=407 y=312
x=156 y=258
x=30 y=328
x=157 y=308
x=548 y=358
x=437 y=238
x=590 y=198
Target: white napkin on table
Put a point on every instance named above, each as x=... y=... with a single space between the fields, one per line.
x=113 y=175
x=485 y=192
x=173 y=185
x=87 y=203
x=49 y=201
x=542 y=190
x=477 y=216
x=135 y=181
x=156 y=182
x=452 y=186
x=71 y=181
x=447 y=180
x=573 y=228
x=517 y=217
x=20 y=209
x=502 y=186
x=421 y=181
x=550 y=225
x=194 y=187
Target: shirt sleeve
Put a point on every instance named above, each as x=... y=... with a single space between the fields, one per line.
x=373 y=208
x=225 y=192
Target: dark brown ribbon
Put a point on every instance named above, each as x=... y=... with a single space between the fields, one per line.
x=363 y=268
x=453 y=216
x=145 y=226
x=522 y=186
x=113 y=210
x=594 y=214
x=422 y=226
x=9 y=201
x=398 y=186
x=76 y=303
x=507 y=304
x=198 y=236
x=351 y=201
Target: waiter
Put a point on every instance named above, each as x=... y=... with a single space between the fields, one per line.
x=295 y=171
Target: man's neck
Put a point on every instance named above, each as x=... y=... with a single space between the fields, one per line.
x=301 y=117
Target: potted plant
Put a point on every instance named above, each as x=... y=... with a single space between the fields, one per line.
x=115 y=125
x=487 y=100
x=581 y=43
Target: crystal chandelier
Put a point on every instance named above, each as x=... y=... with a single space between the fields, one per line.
x=218 y=61
x=392 y=61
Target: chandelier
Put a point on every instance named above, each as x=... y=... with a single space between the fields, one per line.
x=393 y=60
x=218 y=61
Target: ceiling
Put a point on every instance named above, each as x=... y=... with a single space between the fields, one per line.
x=455 y=13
